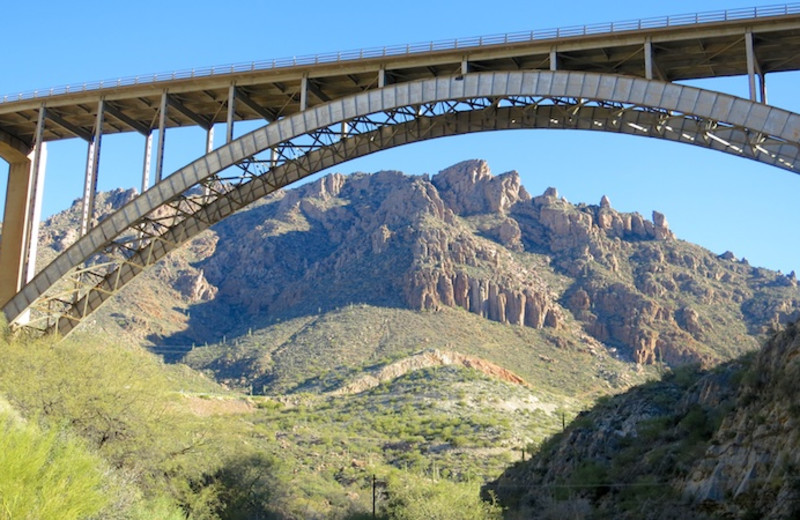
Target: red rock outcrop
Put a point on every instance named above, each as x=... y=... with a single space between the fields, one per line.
x=429 y=358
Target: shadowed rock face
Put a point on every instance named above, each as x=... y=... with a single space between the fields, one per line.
x=719 y=444
x=463 y=238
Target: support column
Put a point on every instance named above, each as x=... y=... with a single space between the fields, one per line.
x=162 y=129
x=763 y=86
x=12 y=244
x=648 y=58
x=381 y=77
x=90 y=178
x=209 y=148
x=210 y=139
x=22 y=212
x=464 y=67
x=304 y=92
x=38 y=167
x=148 y=155
x=553 y=59
x=231 y=113
x=751 y=64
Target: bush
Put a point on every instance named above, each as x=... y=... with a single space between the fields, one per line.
x=46 y=475
x=411 y=497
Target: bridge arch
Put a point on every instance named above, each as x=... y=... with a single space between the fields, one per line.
x=206 y=191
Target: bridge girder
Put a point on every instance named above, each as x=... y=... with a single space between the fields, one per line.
x=204 y=192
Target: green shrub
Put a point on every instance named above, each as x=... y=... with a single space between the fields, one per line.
x=410 y=497
x=46 y=475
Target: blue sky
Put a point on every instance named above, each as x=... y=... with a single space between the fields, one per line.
x=710 y=198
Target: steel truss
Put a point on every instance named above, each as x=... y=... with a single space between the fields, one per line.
x=213 y=197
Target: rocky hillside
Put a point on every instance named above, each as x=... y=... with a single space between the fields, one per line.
x=460 y=239
x=719 y=444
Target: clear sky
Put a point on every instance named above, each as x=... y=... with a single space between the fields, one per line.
x=716 y=200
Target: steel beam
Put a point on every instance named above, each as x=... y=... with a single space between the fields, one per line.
x=268 y=115
x=133 y=123
x=318 y=93
x=66 y=125
x=90 y=177
x=201 y=121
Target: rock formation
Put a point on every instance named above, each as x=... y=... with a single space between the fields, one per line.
x=463 y=238
x=430 y=358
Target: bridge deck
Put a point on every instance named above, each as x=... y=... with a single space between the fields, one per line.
x=685 y=52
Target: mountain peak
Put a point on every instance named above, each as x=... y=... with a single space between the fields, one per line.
x=469 y=188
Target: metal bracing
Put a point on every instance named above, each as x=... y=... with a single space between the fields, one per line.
x=73 y=129
x=120 y=115
x=255 y=107
x=208 y=190
x=198 y=119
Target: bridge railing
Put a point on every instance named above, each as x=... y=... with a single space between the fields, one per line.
x=418 y=48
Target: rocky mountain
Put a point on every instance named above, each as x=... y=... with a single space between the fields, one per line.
x=588 y=276
x=718 y=444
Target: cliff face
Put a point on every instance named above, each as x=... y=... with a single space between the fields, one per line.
x=753 y=461
x=463 y=238
x=722 y=444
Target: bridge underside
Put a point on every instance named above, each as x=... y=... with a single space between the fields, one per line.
x=278 y=154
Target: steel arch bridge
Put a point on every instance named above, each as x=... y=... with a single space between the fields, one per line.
x=335 y=109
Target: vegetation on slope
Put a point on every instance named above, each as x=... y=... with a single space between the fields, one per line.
x=700 y=444
x=320 y=353
x=46 y=475
x=152 y=459
x=156 y=441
